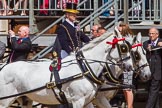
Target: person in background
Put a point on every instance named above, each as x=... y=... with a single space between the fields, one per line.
x=155 y=61
x=105 y=13
x=63 y=5
x=5 y=8
x=137 y=8
x=15 y=5
x=149 y=7
x=21 y=46
x=94 y=31
x=44 y=4
x=126 y=32
x=101 y=31
x=87 y=5
x=68 y=32
x=22 y=3
x=53 y=6
x=3 y=5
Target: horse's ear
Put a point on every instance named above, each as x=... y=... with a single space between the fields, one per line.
x=139 y=37
x=116 y=32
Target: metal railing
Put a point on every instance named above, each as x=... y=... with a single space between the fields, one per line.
x=138 y=10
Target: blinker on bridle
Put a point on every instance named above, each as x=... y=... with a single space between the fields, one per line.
x=135 y=54
x=122 y=48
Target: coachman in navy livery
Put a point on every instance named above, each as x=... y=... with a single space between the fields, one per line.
x=68 y=32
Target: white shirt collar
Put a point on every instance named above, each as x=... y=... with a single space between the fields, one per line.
x=71 y=23
x=155 y=42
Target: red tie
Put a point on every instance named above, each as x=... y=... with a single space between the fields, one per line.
x=19 y=41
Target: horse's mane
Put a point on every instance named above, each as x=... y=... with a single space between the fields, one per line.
x=39 y=60
x=96 y=41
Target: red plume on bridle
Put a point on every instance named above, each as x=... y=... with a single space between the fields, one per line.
x=115 y=41
x=136 y=45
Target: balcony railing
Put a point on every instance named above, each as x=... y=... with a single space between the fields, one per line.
x=138 y=10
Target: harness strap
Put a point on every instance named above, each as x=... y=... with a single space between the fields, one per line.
x=51 y=85
x=3 y=65
x=48 y=86
x=116 y=86
x=108 y=74
x=137 y=70
x=23 y=93
x=84 y=66
x=58 y=84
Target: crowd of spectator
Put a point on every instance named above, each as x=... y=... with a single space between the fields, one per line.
x=51 y=7
x=8 y=7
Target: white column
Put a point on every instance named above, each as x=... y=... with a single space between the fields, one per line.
x=3 y=26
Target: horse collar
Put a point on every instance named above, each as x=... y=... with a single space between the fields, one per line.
x=86 y=69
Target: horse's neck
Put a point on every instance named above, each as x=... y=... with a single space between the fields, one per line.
x=96 y=54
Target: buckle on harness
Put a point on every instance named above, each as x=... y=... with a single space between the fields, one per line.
x=50 y=85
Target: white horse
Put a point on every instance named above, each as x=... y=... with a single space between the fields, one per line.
x=142 y=69
x=24 y=76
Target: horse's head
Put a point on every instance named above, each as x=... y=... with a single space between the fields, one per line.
x=140 y=62
x=120 y=53
x=118 y=50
